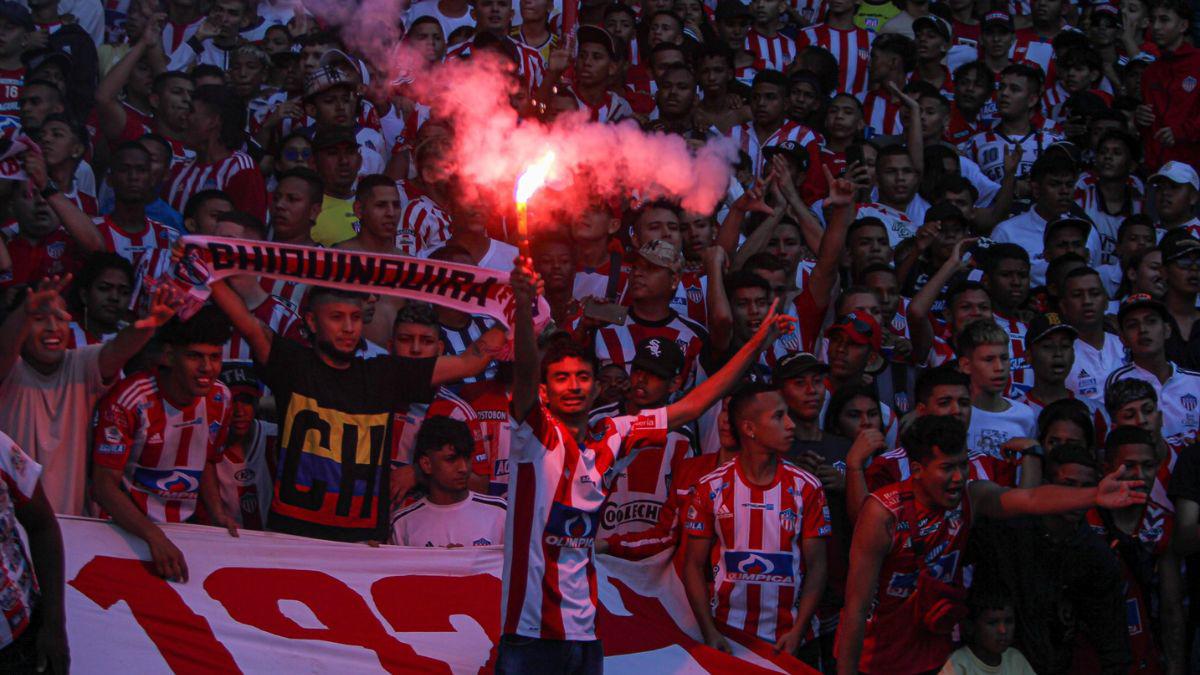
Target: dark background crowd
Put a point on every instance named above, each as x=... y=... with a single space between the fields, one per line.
x=952 y=287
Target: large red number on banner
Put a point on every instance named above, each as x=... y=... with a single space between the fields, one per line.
x=183 y=637
x=252 y=595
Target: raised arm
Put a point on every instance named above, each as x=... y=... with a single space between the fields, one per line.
x=730 y=232
x=914 y=134
x=986 y=218
x=109 y=111
x=708 y=392
x=720 y=315
x=525 y=352
x=116 y=352
x=256 y=333
x=872 y=539
x=77 y=223
x=473 y=361
x=920 y=329
x=841 y=211
x=993 y=501
x=868 y=442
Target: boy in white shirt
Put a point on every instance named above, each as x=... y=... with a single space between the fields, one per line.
x=449 y=515
x=984 y=357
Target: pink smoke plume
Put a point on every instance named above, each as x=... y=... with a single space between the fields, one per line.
x=492 y=146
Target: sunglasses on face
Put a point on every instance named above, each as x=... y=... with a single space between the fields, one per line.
x=297 y=155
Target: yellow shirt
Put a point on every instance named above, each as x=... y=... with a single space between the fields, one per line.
x=964 y=662
x=872 y=17
x=337 y=221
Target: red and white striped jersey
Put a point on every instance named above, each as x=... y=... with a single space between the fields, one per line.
x=19 y=476
x=423 y=224
x=276 y=314
x=618 y=344
x=613 y=108
x=592 y=282
x=237 y=175
x=491 y=402
x=639 y=492
x=1053 y=99
x=748 y=139
x=530 y=66
x=133 y=247
x=1019 y=362
x=84 y=200
x=78 y=337
x=760 y=567
x=555 y=496
x=745 y=74
x=987 y=148
x=882 y=114
x=161 y=450
x=244 y=476
x=899 y=324
x=851 y=48
x=892 y=467
x=405 y=425
x=776 y=53
x=810 y=11
x=289 y=291
x=1089 y=198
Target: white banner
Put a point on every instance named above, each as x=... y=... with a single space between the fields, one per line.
x=275 y=603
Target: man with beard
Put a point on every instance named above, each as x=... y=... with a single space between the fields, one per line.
x=909 y=542
x=327 y=387
x=1063 y=579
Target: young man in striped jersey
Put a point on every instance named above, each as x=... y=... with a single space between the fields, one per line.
x=449 y=515
x=127 y=231
x=563 y=474
x=770 y=522
x=158 y=436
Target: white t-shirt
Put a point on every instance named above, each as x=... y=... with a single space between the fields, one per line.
x=990 y=430
x=1177 y=399
x=477 y=520
x=964 y=662
x=499 y=256
x=50 y=417
x=1026 y=230
x=1092 y=366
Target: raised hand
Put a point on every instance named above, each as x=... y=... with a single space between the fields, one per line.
x=1012 y=159
x=1115 y=492
x=163 y=305
x=525 y=282
x=35 y=168
x=841 y=190
x=866 y=444
x=753 y=200
x=41 y=299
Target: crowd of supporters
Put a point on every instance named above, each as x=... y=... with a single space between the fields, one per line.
x=953 y=288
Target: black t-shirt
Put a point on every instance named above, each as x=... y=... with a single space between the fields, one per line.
x=1185 y=484
x=335 y=426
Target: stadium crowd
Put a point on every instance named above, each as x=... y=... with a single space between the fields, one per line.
x=919 y=395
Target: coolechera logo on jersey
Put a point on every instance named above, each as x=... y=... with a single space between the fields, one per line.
x=173 y=483
x=759 y=567
x=569 y=527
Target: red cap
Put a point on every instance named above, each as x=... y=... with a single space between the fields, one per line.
x=860 y=327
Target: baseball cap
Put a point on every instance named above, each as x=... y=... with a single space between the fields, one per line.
x=943 y=211
x=1045 y=324
x=597 y=35
x=997 y=19
x=16 y=14
x=1178 y=172
x=732 y=9
x=37 y=59
x=663 y=254
x=659 y=356
x=796 y=364
x=329 y=137
x=937 y=23
x=1138 y=301
x=1108 y=11
x=324 y=78
x=790 y=149
x=1177 y=247
x=860 y=327
x=334 y=56
x=1081 y=224
x=241 y=380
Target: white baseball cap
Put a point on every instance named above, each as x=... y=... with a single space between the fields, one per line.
x=1178 y=172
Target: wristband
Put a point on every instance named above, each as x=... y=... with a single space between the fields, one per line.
x=50 y=190
x=1036 y=450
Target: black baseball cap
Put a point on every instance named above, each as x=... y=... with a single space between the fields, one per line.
x=790 y=149
x=943 y=211
x=937 y=23
x=659 y=356
x=1177 y=247
x=796 y=364
x=1045 y=324
x=1139 y=301
x=597 y=35
x=732 y=9
x=1083 y=225
x=326 y=138
x=16 y=14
